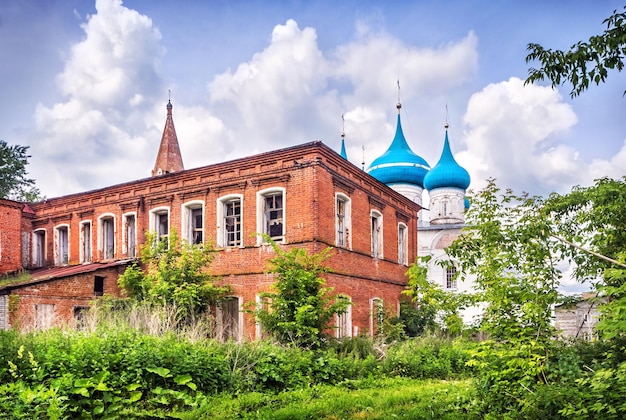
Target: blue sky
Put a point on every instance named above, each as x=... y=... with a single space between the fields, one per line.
x=85 y=85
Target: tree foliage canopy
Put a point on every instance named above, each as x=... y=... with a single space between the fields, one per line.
x=174 y=272
x=14 y=183
x=585 y=62
x=300 y=307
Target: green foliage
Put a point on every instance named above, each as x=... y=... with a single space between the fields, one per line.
x=300 y=308
x=433 y=301
x=174 y=273
x=14 y=184
x=585 y=62
x=508 y=248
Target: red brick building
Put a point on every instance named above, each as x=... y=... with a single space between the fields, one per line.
x=303 y=196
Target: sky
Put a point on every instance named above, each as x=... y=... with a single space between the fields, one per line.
x=85 y=85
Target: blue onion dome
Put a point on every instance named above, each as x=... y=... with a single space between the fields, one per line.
x=399 y=165
x=447 y=173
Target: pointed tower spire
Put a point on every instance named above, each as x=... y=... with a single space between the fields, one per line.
x=169 y=158
x=343 y=138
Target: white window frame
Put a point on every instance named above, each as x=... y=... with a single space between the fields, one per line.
x=155 y=220
x=129 y=245
x=343 y=238
x=62 y=244
x=221 y=328
x=222 y=232
x=261 y=197
x=188 y=227
x=376 y=229
x=450 y=277
x=377 y=313
x=261 y=303
x=343 y=322
x=39 y=247
x=103 y=236
x=86 y=241
x=403 y=244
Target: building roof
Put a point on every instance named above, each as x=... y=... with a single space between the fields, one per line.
x=169 y=158
x=399 y=165
x=447 y=173
x=52 y=273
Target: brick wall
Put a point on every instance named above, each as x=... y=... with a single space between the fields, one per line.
x=311 y=175
x=10 y=236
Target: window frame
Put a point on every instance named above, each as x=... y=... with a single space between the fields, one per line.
x=86 y=242
x=188 y=226
x=403 y=244
x=377 y=314
x=222 y=231
x=343 y=322
x=62 y=244
x=342 y=236
x=262 y=221
x=376 y=231
x=226 y=333
x=129 y=247
x=156 y=215
x=39 y=248
x=450 y=277
x=106 y=239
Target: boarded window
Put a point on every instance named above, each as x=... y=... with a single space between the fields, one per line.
x=44 y=316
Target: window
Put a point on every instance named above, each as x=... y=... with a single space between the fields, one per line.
x=80 y=317
x=265 y=304
x=130 y=235
x=61 y=251
x=451 y=277
x=377 y=316
x=377 y=234
x=403 y=244
x=85 y=242
x=107 y=236
x=161 y=224
x=44 y=316
x=344 y=321
x=271 y=213
x=39 y=248
x=229 y=325
x=98 y=285
x=342 y=221
x=229 y=216
x=193 y=222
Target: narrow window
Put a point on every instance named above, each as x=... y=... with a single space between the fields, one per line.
x=197 y=226
x=160 y=225
x=193 y=222
x=344 y=321
x=98 y=286
x=130 y=235
x=85 y=242
x=265 y=304
x=377 y=234
x=402 y=244
x=39 y=248
x=107 y=225
x=62 y=245
x=377 y=316
x=342 y=221
x=451 y=277
x=232 y=222
x=230 y=328
x=274 y=215
x=44 y=316
x=271 y=214
x=80 y=317
x=444 y=208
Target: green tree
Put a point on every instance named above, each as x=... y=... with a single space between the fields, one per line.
x=14 y=183
x=432 y=302
x=509 y=250
x=585 y=62
x=300 y=308
x=174 y=272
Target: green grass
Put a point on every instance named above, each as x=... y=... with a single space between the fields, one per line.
x=397 y=398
